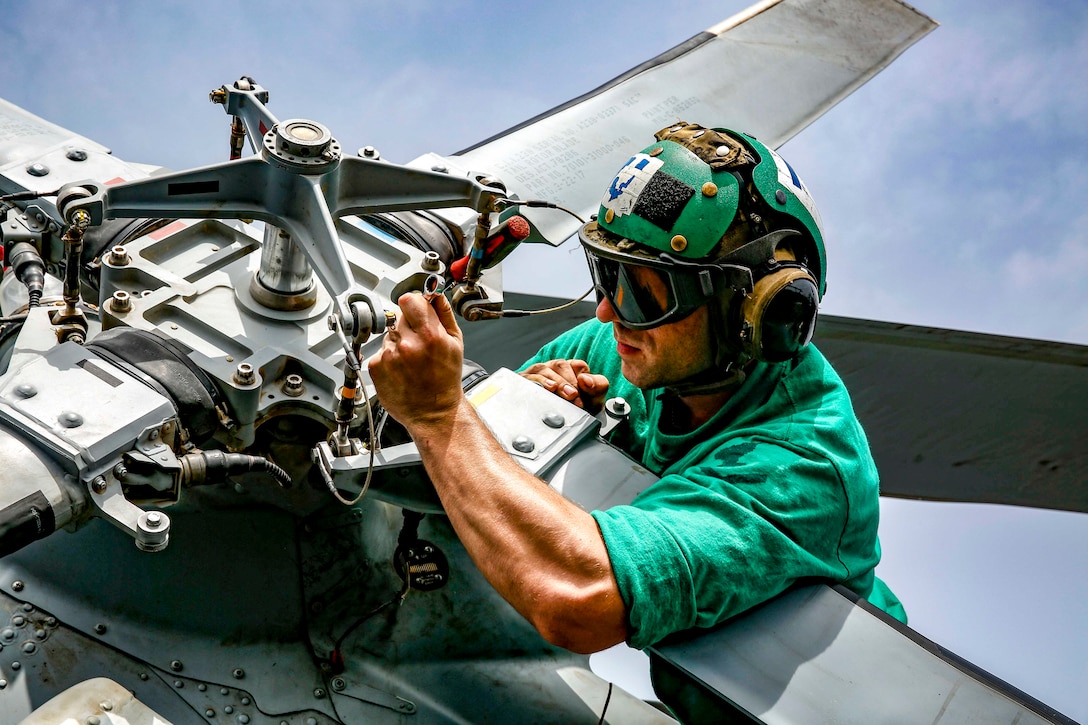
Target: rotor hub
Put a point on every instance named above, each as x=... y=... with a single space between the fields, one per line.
x=302 y=144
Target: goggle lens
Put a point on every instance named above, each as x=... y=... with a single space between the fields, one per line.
x=642 y=297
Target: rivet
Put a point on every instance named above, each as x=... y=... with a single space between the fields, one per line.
x=25 y=390
x=209 y=713
x=698 y=133
x=37 y=170
x=202 y=687
x=107 y=705
x=780 y=196
x=554 y=420
x=609 y=216
x=16 y=665
x=224 y=691
x=29 y=648
x=228 y=709
x=7 y=634
x=243 y=718
x=3 y=684
x=179 y=684
x=657 y=151
x=245 y=700
x=144 y=676
x=722 y=151
x=710 y=189
x=524 y=444
x=28 y=607
x=94 y=720
x=17 y=586
x=678 y=243
x=100 y=628
x=440 y=169
x=70 y=419
x=176 y=665
x=40 y=634
x=18 y=620
x=76 y=155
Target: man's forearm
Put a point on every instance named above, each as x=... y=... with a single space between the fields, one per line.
x=541 y=552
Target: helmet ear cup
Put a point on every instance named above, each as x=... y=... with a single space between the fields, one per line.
x=779 y=315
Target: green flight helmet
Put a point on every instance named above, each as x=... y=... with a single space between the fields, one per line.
x=720 y=215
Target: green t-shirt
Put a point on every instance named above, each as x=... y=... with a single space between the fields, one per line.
x=779 y=486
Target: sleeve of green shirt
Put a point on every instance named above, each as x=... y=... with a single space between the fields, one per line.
x=734 y=531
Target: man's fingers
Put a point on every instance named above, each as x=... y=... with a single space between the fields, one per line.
x=444 y=310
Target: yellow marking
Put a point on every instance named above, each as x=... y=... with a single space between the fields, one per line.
x=484 y=395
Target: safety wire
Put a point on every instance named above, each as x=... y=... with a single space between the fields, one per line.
x=541 y=204
x=352 y=362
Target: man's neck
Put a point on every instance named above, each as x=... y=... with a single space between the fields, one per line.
x=684 y=414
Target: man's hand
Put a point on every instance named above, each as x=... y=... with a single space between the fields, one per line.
x=571 y=380
x=417 y=373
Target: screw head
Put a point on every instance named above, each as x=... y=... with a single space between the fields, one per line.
x=176 y=665
x=238 y=673
x=100 y=628
x=17 y=586
x=339 y=684
x=319 y=693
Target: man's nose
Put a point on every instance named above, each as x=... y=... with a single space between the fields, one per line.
x=604 y=312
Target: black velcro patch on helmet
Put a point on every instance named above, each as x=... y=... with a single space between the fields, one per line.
x=662 y=200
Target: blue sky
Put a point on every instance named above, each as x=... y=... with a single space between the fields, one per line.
x=952 y=189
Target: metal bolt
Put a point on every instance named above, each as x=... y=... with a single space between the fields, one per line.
x=94 y=720
x=524 y=444
x=176 y=665
x=18 y=620
x=243 y=374
x=7 y=634
x=228 y=709
x=76 y=155
x=243 y=718
x=28 y=607
x=98 y=485
x=37 y=170
x=292 y=386
x=179 y=684
x=238 y=673
x=439 y=168
x=209 y=713
x=154 y=520
x=118 y=256
x=16 y=665
x=25 y=390
x=70 y=419
x=430 y=262
x=120 y=471
x=100 y=628
x=121 y=301
x=17 y=586
x=369 y=152
x=319 y=693
x=144 y=676
x=30 y=648
x=339 y=684
x=245 y=700
x=554 y=420
x=51 y=622
x=106 y=705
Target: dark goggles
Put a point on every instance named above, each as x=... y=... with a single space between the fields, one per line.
x=645 y=296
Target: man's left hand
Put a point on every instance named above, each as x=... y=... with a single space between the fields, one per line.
x=417 y=373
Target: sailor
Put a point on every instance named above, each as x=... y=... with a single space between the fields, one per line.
x=708 y=260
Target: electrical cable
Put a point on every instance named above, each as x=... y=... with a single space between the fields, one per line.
x=607 y=699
